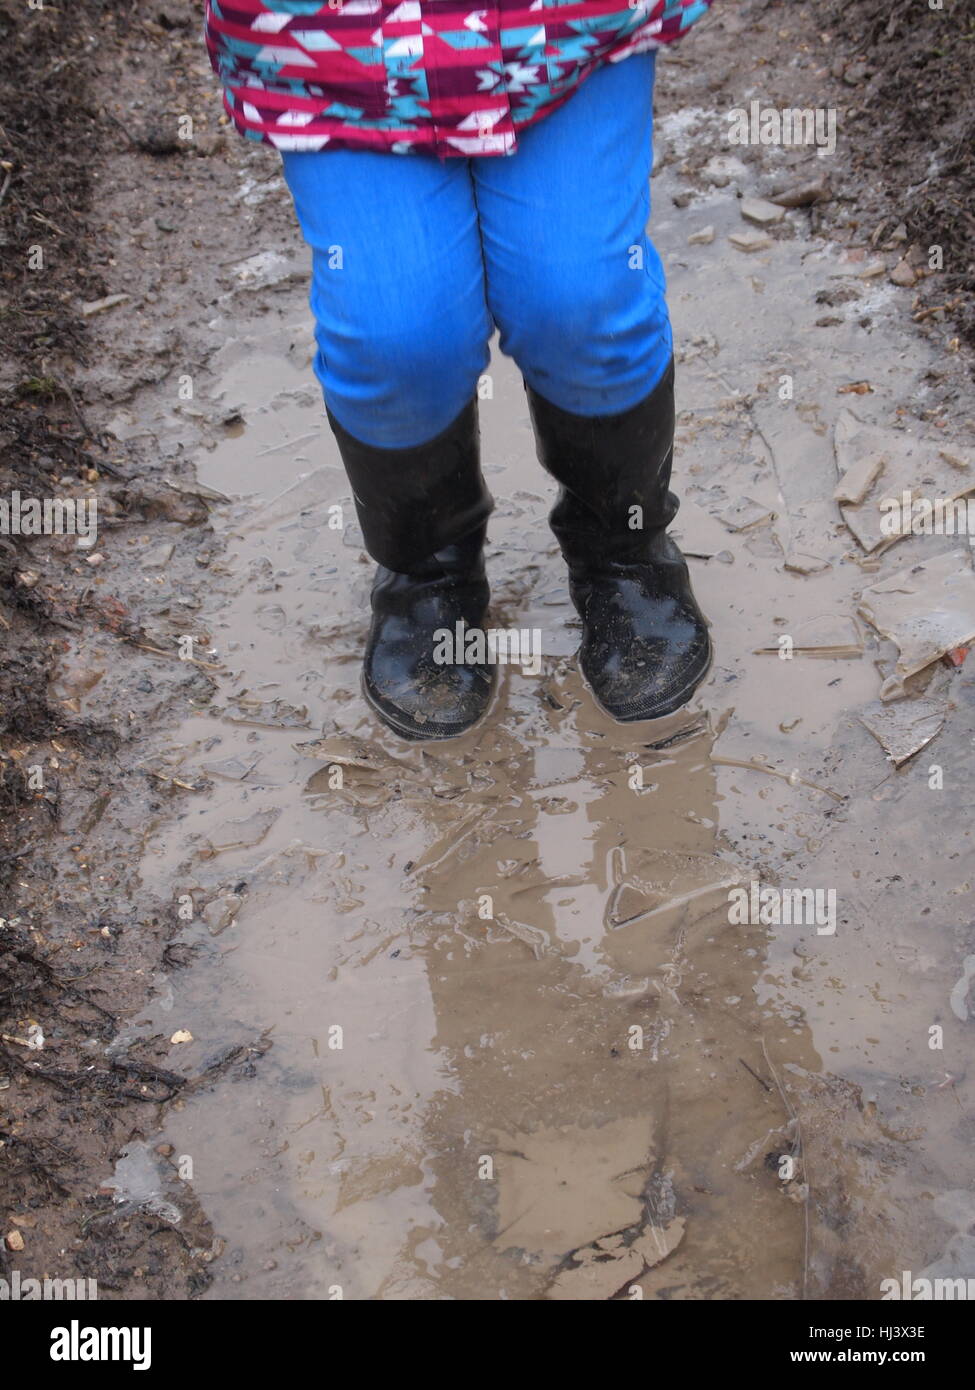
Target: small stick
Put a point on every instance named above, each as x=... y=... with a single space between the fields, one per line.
x=936 y=309
x=751 y=1072
x=805 y=1172
x=194 y=660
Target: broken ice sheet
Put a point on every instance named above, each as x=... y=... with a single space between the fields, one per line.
x=746 y=513
x=926 y=610
x=195 y=489
x=266 y=269
x=361 y=789
x=444 y=776
x=233 y=769
x=750 y=241
x=319 y=488
x=858 y=479
x=880 y=464
x=662 y=884
x=760 y=212
x=221 y=912
x=560 y=1189
x=804 y=562
x=137 y=1184
x=240 y=834
x=903 y=729
x=960 y=992
x=365 y=757
x=268 y=714
x=697 y=532
x=829 y=635
x=369 y=774
x=533 y=937
x=609 y=1265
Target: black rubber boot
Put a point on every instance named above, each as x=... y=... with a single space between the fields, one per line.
x=423 y=513
x=645 y=644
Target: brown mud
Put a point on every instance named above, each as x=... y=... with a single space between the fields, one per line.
x=291 y=1008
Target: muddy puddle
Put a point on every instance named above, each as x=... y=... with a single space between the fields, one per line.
x=518 y=1050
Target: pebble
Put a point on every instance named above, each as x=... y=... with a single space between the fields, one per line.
x=803 y=194
x=158 y=557
x=721 y=169
x=750 y=242
x=760 y=212
x=98 y=306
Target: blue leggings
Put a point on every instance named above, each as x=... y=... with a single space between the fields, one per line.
x=416 y=260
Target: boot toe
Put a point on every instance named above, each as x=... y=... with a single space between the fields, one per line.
x=430 y=701
x=644 y=653
x=649 y=679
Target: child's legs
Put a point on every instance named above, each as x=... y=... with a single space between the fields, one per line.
x=397 y=289
x=573 y=282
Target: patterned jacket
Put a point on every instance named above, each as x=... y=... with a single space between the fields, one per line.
x=433 y=75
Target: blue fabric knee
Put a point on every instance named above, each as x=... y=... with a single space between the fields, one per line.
x=397 y=290
x=573 y=281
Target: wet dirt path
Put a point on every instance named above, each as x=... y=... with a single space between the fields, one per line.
x=509 y=1015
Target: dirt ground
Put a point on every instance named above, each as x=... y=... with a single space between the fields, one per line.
x=192 y=897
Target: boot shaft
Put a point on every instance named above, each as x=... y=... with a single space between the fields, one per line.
x=421 y=502
x=614 y=475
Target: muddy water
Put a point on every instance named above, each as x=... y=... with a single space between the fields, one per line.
x=509 y=1015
